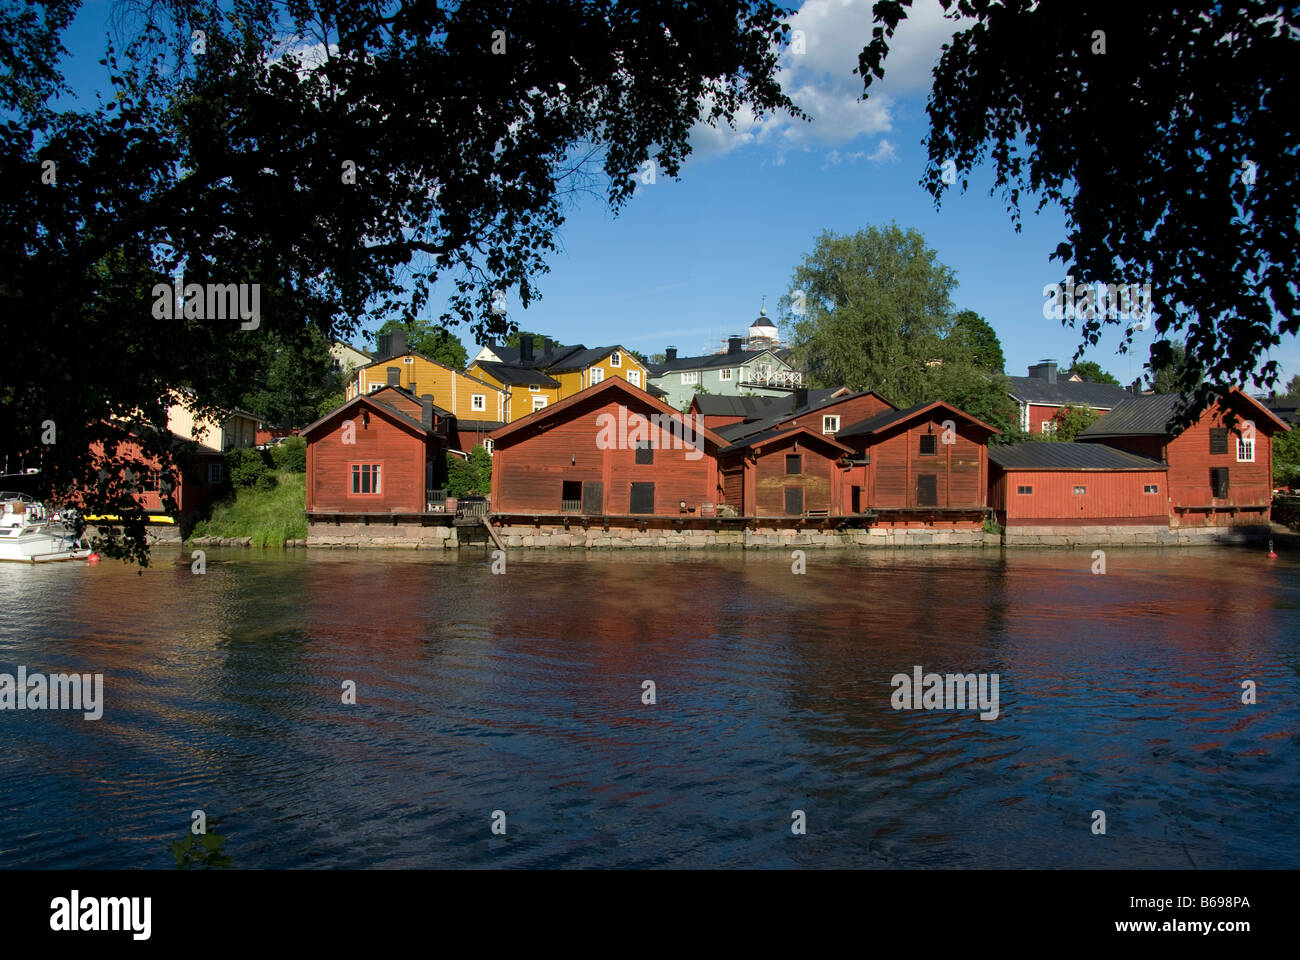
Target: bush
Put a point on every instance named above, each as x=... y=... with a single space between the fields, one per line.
x=992 y=526
x=249 y=468
x=470 y=477
x=291 y=455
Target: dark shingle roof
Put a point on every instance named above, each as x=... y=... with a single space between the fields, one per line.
x=708 y=362
x=579 y=359
x=1047 y=455
x=1145 y=416
x=783 y=409
x=508 y=373
x=766 y=435
x=559 y=352
x=879 y=421
x=716 y=405
x=1035 y=390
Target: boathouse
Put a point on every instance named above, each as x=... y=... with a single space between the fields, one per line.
x=1220 y=474
x=783 y=472
x=1037 y=484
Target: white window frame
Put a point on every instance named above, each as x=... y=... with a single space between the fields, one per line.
x=690 y=377
x=1150 y=488
x=724 y=373
x=616 y=359
x=634 y=377
x=596 y=376
x=377 y=386
x=478 y=402
x=1245 y=450
x=488 y=446
x=533 y=388
x=827 y=425
x=1048 y=426
x=1080 y=490
x=408 y=359
x=539 y=403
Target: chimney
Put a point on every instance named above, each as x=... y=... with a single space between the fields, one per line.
x=526 y=350
x=548 y=348
x=670 y=353
x=800 y=398
x=412 y=389
x=394 y=376
x=381 y=346
x=397 y=342
x=733 y=344
x=426 y=411
x=1043 y=370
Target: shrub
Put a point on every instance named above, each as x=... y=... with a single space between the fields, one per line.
x=992 y=526
x=470 y=477
x=249 y=468
x=291 y=455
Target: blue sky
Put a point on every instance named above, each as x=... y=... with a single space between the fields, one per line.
x=688 y=261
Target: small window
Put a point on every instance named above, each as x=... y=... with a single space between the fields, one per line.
x=1024 y=490
x=216 y=473
x=616 y=359
x=597 y=375
x=376 y=386
x=793 y=464
x=488 y=445
x=1048 y=426
x=539 y=403
x=1151 y=488
x=724 y=373
x=634 y=377
x=478 y=402
x=533 y=388
x=643 y=498
x=830 y=423
x=1080 y=491
x=1245 y=450
x=1218 y=440
x=645 y=454
x=690 y=376
x=929 y=445
x=366 y=479
x=408 y=359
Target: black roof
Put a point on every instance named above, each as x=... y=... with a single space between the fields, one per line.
x=709 y=361
x=880 y=420
x=717 y=405
x=1047 y=455
x=509 y=373
x=783 y=409
x=1284 y=408
x=772 y=434
x=510 y=355
x=1145 y=416
x=1038 y=390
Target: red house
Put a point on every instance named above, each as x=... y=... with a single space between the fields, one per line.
x=378 y=454
x=1076 y=484
x=610 y=450
x=783 y=472
x=1218 y=475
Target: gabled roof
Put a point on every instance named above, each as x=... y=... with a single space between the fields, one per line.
x=891 y=418
x=779 y=433
x=1102 y=396
x=782 y=411
x=1048 y=455
x=717 y=405
x=516 y=375
x=610 y=383
x=709 y=361
x=1148 y=416
x=388 y=362
x=381 y=408
x=511 y=355
x=582 y=358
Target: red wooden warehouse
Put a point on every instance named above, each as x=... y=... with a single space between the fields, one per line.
x=1076 y=484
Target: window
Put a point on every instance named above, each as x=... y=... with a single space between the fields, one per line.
x=216 y=473
x=929 y=445
x=1219 y=481
x=1151 y=488
x=644 y=453
x=794 y=501
x=533 y=388
x=616 y=359
x=1080 y=491
x=1245 y=450
x=408 y=359
x=643 y=498
x=365 y=479
x=1025 y=490
x=634 y=377
x=927 y=490
x=571 y=496
x=487 y=445
x=724 y=373
x=830 y=423
x=597 y=375
x=478 y=402
x=793 y=464
x=376 y=386
x=690 y=376
x=1048 y=426
x=539 y=403
x=1218 y=440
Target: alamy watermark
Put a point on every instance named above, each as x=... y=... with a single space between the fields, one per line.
x=58 y=691
x=209 y=301
x=953 y=691
x=659 y=431
x=1114 y=301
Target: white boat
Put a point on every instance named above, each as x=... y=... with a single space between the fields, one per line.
x=28 y=534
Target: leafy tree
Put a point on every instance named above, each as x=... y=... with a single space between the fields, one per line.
x=641 y=357
x=1198 y=197
x=249 y=468
x=430 y=339
x=331 y=401
x=877 y=308
x=294 y=374
x=343 y=158
x=1168 y=369
x=658 y=357
x=1091 y=371
x=470 y=475
x=1069 y=421
x=1286 y=458
x=1293 y=386
x=978 y=340
x=977 y=391
x=290 y=455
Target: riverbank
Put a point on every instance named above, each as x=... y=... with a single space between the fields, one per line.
x=257 y=517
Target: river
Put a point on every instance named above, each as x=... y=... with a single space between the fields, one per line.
x=523 y=693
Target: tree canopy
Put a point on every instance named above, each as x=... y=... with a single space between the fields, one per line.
x=334 y=162
x=1164 y=137
x=1091 y=371
x=432 y=340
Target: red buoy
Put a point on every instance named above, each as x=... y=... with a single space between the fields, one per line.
x=93 y=558
x=1271 y=554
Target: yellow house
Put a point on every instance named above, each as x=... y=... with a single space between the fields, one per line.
x=527 y=389
x=468 y=397
x=569 y=369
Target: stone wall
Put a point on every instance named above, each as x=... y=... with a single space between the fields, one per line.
x=402 y=536
x=1128 y=536
x=776 y=537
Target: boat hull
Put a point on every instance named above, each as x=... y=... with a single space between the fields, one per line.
x=45 y=545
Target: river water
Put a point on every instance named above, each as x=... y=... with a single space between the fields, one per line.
x=523 y=693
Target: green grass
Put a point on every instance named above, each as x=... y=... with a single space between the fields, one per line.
x=270 y=517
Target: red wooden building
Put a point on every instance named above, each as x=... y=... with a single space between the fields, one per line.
x=610 y=450
x=1076 y=484
x=928 y=459
x=1218 y=474
x=783 y=472
x=378 y=454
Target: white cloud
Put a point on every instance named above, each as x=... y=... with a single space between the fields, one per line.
x=821 y=81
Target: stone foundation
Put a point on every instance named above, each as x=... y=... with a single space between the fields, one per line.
x=401 y=536
x=597 y=538
x=1129 y=536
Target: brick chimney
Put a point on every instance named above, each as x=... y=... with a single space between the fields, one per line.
x=548 y=349
x=526 y=350
x=1043 y=370
x=670 y=353
x=799 y=398
x=397 y=342
x=426 y=411
x=733 y=344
